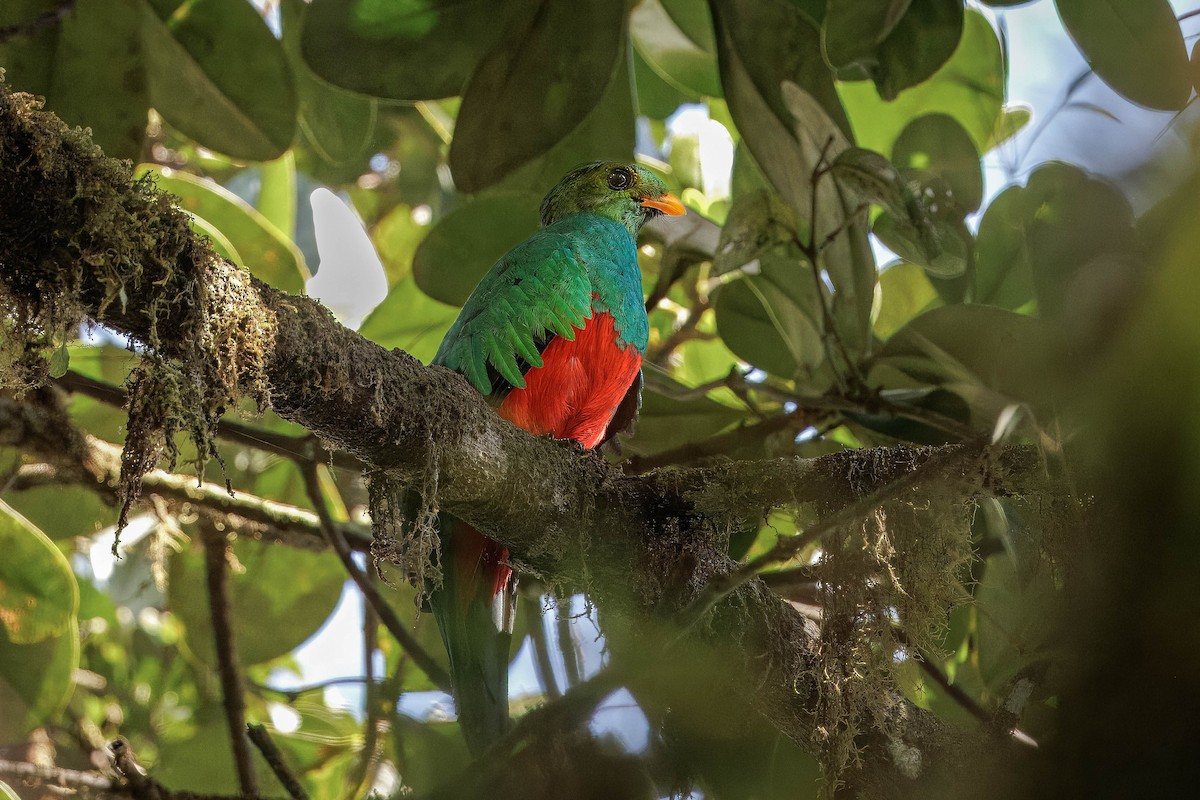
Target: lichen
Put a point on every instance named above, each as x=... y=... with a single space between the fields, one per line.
x=80 y=238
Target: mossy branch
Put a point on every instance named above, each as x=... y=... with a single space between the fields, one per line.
x=79 y=238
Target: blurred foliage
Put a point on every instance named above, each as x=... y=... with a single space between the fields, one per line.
x=825 y=130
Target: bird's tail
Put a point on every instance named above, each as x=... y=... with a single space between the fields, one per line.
x=474 y=610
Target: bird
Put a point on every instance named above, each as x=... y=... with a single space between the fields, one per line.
x=554 y=336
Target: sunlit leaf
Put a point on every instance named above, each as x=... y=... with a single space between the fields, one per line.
x=216 y=72
x=38 y=595
x=906 y=293
x=968 y=87
x=267 y=252
x=1135 y=46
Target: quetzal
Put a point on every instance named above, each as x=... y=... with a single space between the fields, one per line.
x=554 y=335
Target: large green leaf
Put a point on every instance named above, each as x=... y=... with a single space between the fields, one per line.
x=218 y=74
x=89 y=67
x=968 y=87
x=905 y=292
x=898 y=43
x=404 y=50
x=1017 y=620
x=464 y=244
x=38 y=595
x=36 y=680
x=338 y=124
x=410 y=320
x=678 y=59
x=262 y=248
x=1135 y=46
x=1045 y=235
x=535 y=88
x=665 y=423
x=988 y=356
x=938 y=144
x=278 y=598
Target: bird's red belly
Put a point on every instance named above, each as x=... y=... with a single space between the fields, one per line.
x=576 y=391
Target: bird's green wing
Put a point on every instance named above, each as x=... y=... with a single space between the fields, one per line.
x=539 y=290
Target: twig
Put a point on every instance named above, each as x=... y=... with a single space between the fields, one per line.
x=46 y=19
x=387 y=615
x=274 y=758
x=359 y=779
x=542 y=665
x=141 y=786
x=216 y=570
x=566 y=642
x=38 y=775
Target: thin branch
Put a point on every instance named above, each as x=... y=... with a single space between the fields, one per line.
x=274 y=758
x=96 y=465
x=566 y=642
x=216 y=568
x=360 y=779
x=38 y=775
x=387 y=615
x=543 y=667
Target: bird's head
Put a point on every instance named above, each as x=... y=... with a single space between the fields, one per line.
x=626 y=193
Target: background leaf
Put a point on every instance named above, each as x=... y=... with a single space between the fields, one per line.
x=217 y=73
x=1135 y=46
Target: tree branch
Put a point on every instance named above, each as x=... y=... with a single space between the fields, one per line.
x=76 y=237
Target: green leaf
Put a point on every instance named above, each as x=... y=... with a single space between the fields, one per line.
x=987 y=355
x=338 y=124
x=1018 y=620
x=36 y=680
x=853 y=29
x=60 y=362
x=905 y=293
x=554 y=69
x=938 y=245
x=1135 y=46
x=267 y=253
x=897 y=43
x=38 y=594
x=872 y=177
x=63 y=512
x=465 y=244
x=968 y=87
x=665 y=423
x=670 y=52
x=277 y=194
x=88 y=66
x=409 y=319
x=406 y=50
x=218 y=74
x=1008 y=124
x=279 y=597
x=768 y=311
x=938 y=144
x=1044 y=237
x=7 y=792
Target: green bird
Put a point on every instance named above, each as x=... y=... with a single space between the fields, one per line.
x=554 y=336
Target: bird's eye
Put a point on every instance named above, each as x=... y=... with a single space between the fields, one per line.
x=619 y=179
